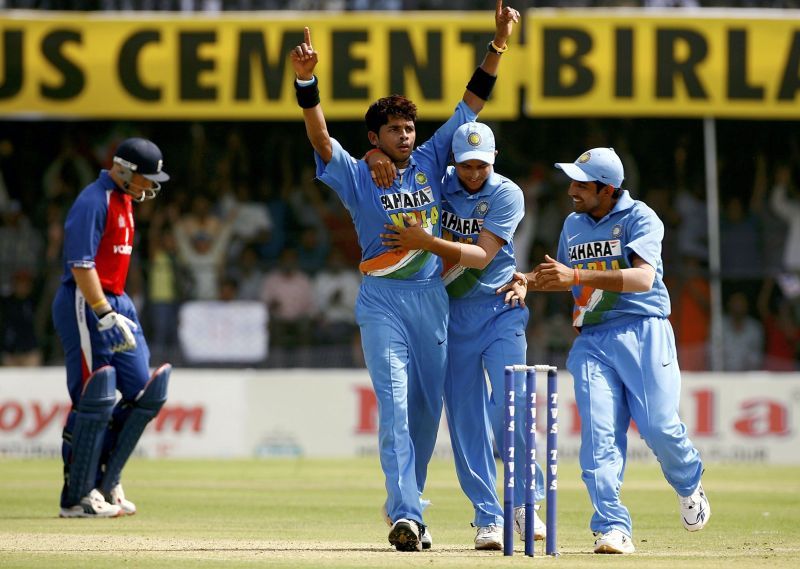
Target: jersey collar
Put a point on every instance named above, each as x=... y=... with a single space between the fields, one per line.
x=624 y=202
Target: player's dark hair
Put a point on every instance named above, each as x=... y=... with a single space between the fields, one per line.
x=600 y=185
x=392 y=106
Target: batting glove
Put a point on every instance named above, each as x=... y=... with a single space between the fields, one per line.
x=117 y=332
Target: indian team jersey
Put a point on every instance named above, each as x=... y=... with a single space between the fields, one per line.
x=417 y=191
x=497 y=207
x=631 y=227
x=98 y=233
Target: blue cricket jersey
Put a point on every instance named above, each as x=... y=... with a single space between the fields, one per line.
x=418 y=190
x=497 y=207
x=585 y=243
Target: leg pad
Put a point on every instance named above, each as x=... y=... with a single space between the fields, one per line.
x=83 y=435
x=143 y=409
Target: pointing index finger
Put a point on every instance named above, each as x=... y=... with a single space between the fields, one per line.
x=498 y=9
x=307 y=36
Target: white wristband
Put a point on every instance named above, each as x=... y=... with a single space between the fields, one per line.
x=305 y=82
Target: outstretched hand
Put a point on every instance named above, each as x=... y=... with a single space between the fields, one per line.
x=406 y=238
x=552 y=275
x=304 y=58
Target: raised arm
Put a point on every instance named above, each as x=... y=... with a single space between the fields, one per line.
x=304 y=60
x=482 y=81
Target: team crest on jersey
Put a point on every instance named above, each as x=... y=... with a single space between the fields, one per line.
x=584 y=158
x=482 y=208
x=616 y=231
x=421 y=178
x=121 y=220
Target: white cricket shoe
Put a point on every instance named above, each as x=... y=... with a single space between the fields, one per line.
x=426 y=539
x=489 y=538
x=117 y=496
x=93 y=505
x=539 y=527
x=613 y=542
x=405 y=535
x=695 y=509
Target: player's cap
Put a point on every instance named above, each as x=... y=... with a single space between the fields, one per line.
x=597 y=164
x=142 y=157
x=473 y=141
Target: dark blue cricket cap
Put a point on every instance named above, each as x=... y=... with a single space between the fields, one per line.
x=142 y=157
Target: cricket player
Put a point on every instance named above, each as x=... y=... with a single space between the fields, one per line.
x=104 y=347
x=480 y=212
x=402 y=303
x=623 y=361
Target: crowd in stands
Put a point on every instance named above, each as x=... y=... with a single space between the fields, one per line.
x=243 y=219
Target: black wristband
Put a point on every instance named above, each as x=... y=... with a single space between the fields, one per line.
x=481 y=84
x=307 y=95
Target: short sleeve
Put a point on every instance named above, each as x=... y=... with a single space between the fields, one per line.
x=341 y=174
x=644 y=236
x=506 y=212
x=83 y=229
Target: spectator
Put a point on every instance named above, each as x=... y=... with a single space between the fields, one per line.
x=785 y=202
x=743 y=338
x=20 y=245
x=68 y=173
x=740 y=241
x=252 y=223
x=690 y=204
x=228 y=289
x=19 y=342
x=289 y=296
x=781 y=330
x=203 y=254
x=270 y=249
x=335 y=291
x=164 y=290
x=248 y=274
x=312 y=249
x=691 y=315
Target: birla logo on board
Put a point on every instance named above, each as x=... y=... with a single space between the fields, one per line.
x=754 y=417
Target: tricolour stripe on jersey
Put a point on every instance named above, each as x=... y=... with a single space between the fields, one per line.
x=395 y=264
x=592 y=304
x=460 y=280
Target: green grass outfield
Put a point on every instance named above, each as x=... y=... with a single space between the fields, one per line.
x=325 y=513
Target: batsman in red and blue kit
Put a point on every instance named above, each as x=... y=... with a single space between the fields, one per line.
x=104 y=348
x=623 y=361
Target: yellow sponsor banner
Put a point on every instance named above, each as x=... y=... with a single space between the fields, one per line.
x=733 y=63
x=237 y=67
x=743 y=64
